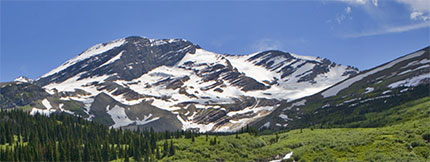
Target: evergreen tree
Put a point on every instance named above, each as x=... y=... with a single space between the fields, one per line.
x=172 y=149
x=165 y=148
x=86 y=154
x=136 y=153
x=157 y=154
x=105 y=152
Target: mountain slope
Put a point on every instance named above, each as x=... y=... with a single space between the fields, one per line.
x=200 y=89
x=355 y=101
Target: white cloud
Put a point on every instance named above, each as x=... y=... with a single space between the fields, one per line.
x=348 y=10
x=357 y=2
x=267 y=44
x=340 y=18
x=361 y=2
x=375 y=3
x=417 y=15
x=420 y=16
x=388 y=30
x=420 y=9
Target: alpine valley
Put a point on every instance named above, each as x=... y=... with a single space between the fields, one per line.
x=280 y=105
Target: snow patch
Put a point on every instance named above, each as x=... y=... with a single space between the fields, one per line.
x=41 y=111
x=283 y=116
x=46 y=103
x=369 y=89
x=410 y=82
x=287 y=156
x=265 y=125
x=253 y=109
x=386 y=92
x=146 y=119
x=325 y=106
x=113 y=59
x=120 y=118
x=418 y=68
x=23 y=79
x=298 y=103
x=423 y=61
x=191 y=125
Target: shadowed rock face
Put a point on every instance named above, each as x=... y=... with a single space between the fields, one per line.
x=99 y=107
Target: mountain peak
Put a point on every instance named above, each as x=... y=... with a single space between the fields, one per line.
x=177 y=76
x=23 y=79
x=127 y=58
x=154 y=42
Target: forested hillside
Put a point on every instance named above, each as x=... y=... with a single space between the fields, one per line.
x=62 y=137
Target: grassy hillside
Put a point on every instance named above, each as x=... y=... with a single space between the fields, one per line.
x=407 y=139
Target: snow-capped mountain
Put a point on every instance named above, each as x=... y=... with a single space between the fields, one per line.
x=174 y=84
x=347 y=103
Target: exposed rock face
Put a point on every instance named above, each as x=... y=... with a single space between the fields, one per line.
x=15 y=94
x=138 y=82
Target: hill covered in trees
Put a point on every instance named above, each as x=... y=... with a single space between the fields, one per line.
x=63 y=137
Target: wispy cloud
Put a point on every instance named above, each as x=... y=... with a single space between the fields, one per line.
x=267 y=44
x=395 y=29
x=420 y=9
x=368 y=5
x=344 y=15
x=361 y=2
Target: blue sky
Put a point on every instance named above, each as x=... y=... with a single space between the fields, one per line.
x=39 y=36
